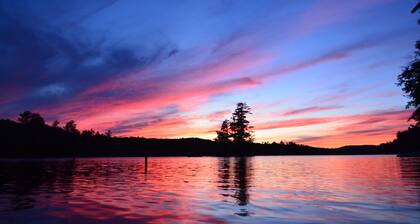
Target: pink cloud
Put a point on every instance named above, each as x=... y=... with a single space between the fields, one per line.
x=357 y=121
x=219 y=115
x=293 y=123
x=372 y=128
x=307 y=110
x=101 y=113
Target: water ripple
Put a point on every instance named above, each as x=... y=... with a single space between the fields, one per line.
x=300 y=189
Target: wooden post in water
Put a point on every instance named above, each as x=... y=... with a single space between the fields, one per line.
x=145 y=164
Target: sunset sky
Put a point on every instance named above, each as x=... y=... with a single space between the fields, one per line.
x=321 y=73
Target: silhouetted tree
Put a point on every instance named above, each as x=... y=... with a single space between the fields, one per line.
x=108 y=133
x=224 y=133
x=239 y=126
x=409 y=79
x=71 y=127
x=55 y=124
x=98 y=134
x=88 y=133
x=30 y=118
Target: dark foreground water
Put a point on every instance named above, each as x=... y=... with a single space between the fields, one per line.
x=287 y=189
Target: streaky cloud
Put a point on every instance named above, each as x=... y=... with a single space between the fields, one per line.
x=312 y=109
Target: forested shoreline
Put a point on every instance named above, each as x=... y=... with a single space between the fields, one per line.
x=30 y=140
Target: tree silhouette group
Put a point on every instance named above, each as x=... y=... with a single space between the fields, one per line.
x=30 y=118
x=237 y=129
x=36 y=120
x=409 y=80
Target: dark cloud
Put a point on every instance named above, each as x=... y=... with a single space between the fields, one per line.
x=44 y=65
x=172 y=52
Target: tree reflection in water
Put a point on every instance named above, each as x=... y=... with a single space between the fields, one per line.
x=410 y=175
x=235 y=181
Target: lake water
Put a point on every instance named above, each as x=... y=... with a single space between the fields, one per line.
x=277 y=189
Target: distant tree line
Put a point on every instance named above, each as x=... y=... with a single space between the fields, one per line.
x=30 y=137
x=35 y=120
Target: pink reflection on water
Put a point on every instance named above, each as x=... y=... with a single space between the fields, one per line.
x=214 y=190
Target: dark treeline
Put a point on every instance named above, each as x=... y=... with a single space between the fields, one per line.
x=30 y=137
x=408 y=141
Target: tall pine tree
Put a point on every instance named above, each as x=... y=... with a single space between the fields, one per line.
x=239 y=126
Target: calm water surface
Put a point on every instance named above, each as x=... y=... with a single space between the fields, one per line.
x=287 y=189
